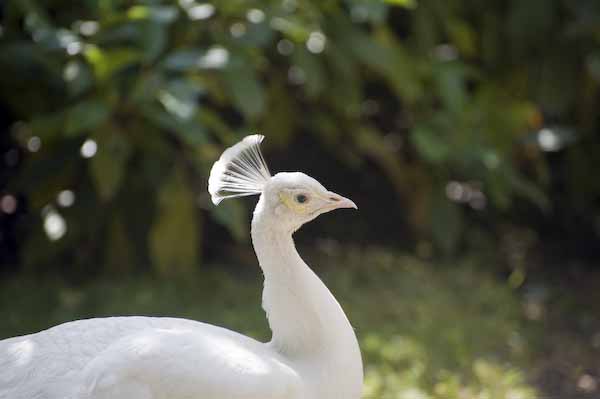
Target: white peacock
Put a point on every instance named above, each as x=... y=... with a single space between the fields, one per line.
x=313 y=353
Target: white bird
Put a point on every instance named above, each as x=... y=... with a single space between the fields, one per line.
x=313 y=353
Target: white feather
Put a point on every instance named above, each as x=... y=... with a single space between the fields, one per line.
x=313 y=353
x=241 y=170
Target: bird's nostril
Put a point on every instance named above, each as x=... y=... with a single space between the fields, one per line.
x=334 y=199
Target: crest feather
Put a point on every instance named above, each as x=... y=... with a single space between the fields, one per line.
x=241 y=170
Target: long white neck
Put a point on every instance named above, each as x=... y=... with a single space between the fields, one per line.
x=309 y=326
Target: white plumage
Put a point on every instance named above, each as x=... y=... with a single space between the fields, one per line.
x=313 y=353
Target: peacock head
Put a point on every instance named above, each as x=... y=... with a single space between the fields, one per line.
x=294 y=198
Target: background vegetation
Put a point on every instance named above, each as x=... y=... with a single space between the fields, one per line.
x=466 y=131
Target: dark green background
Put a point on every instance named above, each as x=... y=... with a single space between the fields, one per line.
x=466 y=131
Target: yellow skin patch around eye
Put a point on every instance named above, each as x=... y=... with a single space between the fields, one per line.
x=289 y=201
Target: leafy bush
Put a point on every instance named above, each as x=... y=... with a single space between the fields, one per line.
x=126 y=105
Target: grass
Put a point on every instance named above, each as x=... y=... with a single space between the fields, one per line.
x=425 y=331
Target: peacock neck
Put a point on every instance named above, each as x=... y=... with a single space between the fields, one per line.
x=307 y=322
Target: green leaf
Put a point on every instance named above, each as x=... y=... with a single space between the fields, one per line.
x=173 y=238
x=106 y=63
x=282 y=120
x=47 y=126
x=529 y=190
x=120 y=253
x=191 y=130
x=78 y=76
x=292 y=27
x=430 y=145
x=403 y=3
x=109 y=164
x=234 y=216
x=451 y=80
x=593 y=65
x=85 y=116
x=153 y=40
x=161 y=14
x=180 y=98
x=313 y=68
x=245 y=90
x=183 y=60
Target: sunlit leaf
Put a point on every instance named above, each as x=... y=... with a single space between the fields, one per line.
x=162 y=14
x=180 y=98
x=291 y=27
x=108 y=62
x=403 y=3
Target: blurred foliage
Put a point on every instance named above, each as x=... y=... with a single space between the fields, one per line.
x=435 y=334
x=128 y=103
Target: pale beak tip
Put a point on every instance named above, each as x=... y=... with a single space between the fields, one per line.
x=346 y=203
x=337 y=201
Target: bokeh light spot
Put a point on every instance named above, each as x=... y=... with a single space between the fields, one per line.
x=55 y=225
x=88 y=28
x=201 y=11
x=255 y=16
x=71 y=71
x=89 y=148
x=548 y=140
x=216 y=57
x=285 y=47
x=11 y=157
x=316 y=42
x=66 y=198
x=8 y=204
x=34 y=144
x=237 y=29
x=296 y=75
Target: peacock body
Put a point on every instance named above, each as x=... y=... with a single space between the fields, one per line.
x=313 y=353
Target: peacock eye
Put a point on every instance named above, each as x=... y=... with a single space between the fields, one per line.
x=301 y=198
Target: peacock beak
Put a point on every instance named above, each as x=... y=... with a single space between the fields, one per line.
x=336 y=201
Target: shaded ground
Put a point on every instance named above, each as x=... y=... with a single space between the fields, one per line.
x=426 y=331
x=568 y=307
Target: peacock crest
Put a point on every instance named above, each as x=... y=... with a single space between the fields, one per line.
x=241 y=170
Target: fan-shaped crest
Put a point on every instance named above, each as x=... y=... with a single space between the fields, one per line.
x=241 y=170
